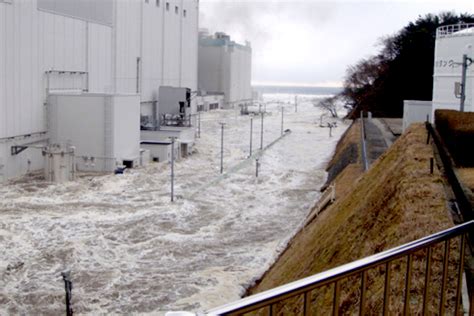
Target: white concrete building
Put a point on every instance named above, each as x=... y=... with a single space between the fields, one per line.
x=225 y=66
x=452 y=42
x=109 y=47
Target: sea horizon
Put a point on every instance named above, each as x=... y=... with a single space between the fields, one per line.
x=298 y=90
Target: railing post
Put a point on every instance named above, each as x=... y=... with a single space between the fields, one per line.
x=307 y=304
x=335 y=308
x=460 y=272
x=426 y=292
x=386 y=297
x=406 y=310
x=445 y=277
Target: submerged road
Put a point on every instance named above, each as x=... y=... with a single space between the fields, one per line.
x=130 y=250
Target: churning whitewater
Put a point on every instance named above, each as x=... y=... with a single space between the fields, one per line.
x=130 y=250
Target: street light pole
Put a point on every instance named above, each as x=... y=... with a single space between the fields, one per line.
x=173 y=138
x=282 y=111
x=251 y=134
x=261 y=131
x=222 y=147
x=465 y=64
x=199 y=124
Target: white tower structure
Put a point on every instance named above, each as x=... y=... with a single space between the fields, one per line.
x=107 y=48
x=452 y=42
x=225 y=66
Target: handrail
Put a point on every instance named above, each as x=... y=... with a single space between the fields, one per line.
x=365 y=161
x=305 y=285
x=447 y=30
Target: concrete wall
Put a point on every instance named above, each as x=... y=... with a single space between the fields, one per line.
x=103 y=127
x=126 y=127
x=416 y=111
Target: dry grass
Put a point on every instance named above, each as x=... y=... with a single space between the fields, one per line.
x=466 y=175
x=347 y=178
x=395 y=202
x=351 y=136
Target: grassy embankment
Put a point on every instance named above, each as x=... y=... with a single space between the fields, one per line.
x=398 y=200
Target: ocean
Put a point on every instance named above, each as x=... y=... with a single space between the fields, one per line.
x=263 y=89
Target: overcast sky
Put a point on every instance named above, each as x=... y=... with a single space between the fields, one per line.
x=311 y=41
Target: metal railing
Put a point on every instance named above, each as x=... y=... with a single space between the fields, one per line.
x=179 y=120
x=432 y=269
x=363 y=142
x=448 y=30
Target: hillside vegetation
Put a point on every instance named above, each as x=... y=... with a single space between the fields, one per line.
x=397 y=201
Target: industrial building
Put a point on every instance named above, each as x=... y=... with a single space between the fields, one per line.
x=454 y=54
x=79 y=73
x=225 y=67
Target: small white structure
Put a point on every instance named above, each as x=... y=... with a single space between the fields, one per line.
x=225 y=66
x=416 y=111
x=104 y=128
x=174 y=116
x=60 y=163
x=452 y=42
x=209 y=101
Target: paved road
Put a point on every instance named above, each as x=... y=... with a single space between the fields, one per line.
x=379 y=137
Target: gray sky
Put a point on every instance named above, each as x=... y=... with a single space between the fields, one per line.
x=311 y=41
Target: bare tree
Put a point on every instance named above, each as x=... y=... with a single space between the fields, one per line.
x=329 y=104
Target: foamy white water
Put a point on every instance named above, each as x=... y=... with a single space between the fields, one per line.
x=131 y=250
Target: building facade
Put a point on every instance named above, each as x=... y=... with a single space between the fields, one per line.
x=112 y=47
x=225 y=66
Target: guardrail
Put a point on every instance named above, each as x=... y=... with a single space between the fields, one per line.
x=178 y=120
x=437 y=259
x=363 y=142
x=447 y=30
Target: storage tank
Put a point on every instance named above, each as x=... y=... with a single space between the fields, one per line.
x=452 y=42
x=59 y=163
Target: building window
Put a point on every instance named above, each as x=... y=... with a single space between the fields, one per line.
x=167 y=6
x=184 y=13
x=157 y=3
x=176 y=10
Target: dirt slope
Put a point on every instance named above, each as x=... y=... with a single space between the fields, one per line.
x=395 y=202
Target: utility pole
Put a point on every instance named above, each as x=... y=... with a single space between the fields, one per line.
x=296 y=103
x=261 y=131
x=68 y=287
x=466 y=62
x=199 y=124
x=173 y=139
x=222 y=147
x=282 y=111
x=251 y=134
x=257 y=165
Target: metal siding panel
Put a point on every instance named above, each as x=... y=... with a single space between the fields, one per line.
x=128 y=44
x=9 y=79
x=100 y=58
x=3 y=103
